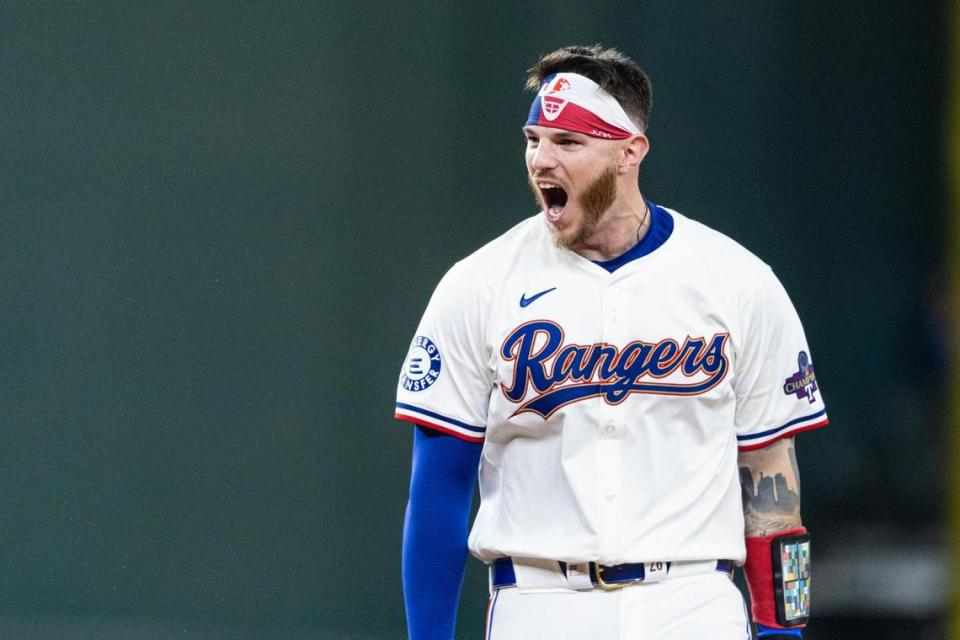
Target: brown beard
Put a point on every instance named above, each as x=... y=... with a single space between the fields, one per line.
x=595 y=200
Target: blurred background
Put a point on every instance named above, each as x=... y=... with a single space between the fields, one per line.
x=222 y=221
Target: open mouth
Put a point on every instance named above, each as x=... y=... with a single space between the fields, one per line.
x=554 y=200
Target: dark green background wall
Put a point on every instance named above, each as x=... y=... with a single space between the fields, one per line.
x=220 y=222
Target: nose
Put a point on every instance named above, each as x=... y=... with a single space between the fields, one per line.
x=543 y=157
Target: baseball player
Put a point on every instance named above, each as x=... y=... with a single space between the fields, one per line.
x=628 y=382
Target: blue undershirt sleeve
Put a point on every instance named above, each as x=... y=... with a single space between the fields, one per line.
x=442 y=478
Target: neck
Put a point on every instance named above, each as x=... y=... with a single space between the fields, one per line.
x=621 y=227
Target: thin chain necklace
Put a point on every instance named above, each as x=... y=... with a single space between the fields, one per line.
x=646 y=212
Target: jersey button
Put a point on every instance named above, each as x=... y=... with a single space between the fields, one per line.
x=614 y=317
x=609 y=494
x=609 y=429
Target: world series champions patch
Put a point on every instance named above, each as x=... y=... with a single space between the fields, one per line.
x=803 y=382
x=422 y=367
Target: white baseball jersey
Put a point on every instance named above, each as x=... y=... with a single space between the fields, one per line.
x=610 y=405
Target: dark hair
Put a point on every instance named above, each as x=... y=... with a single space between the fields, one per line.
x=616 y=74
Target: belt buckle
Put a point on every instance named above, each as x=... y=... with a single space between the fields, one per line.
x=613 y=586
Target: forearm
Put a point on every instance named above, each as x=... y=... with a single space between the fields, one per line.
x=432 y=573
x=435 y=533
x=770 y=482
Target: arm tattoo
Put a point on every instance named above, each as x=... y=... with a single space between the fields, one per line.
x=770 y=486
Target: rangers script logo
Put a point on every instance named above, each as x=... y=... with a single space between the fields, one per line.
x=561 y=374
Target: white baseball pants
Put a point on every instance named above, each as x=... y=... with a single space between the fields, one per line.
x=700 y=607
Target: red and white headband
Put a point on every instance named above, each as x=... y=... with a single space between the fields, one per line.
x=573 y=102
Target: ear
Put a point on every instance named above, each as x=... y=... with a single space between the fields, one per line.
x=632 y=153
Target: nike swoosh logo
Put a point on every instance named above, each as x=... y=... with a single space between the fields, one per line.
x=525 y=301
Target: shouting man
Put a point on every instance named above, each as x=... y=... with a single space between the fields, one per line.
x=628 y=382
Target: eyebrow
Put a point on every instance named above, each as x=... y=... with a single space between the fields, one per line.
x=559 y=135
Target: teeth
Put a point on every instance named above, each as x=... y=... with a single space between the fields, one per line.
x=554 y=213
x=545 y=185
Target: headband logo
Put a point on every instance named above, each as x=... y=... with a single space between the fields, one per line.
x=552 y=107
